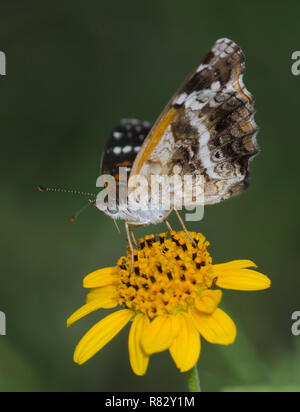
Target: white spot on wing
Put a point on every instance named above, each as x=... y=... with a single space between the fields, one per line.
x=204 y=152
x=118 y=135
x=202 y=67
x=127 y=149
x=181 y=99
x=117 y=150
x=229 y=50
x=216 y=86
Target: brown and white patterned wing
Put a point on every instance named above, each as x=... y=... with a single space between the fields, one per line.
x=208 y=128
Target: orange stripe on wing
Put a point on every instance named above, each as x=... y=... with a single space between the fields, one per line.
x=155 y=138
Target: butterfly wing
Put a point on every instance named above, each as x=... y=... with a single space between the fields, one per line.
x=207 y=129
x=123 y=146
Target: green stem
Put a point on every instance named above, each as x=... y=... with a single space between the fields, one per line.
x=194 y=380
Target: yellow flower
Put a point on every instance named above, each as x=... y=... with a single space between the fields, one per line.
x=171 y=297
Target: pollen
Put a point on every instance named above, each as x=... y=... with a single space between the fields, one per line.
x=169 y=273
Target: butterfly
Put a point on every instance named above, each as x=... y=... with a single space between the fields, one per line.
x=207 y=129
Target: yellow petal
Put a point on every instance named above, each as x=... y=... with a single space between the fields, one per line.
x=208 y=301
x=241 y=279
x=102 y=333
x=217 y=328
x=159 y=334
x=83 y=311
x=235 y=264
x=99 y=278
x=102 y=298
x=187 y=346
x=106 y=295
x=138 y=359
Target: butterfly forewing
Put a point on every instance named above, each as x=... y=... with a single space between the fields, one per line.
x=123 y=146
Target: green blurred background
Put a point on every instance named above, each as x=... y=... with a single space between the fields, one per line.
x=74 y=68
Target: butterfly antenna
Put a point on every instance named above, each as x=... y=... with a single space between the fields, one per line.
x=57 y=190
x=74 y=218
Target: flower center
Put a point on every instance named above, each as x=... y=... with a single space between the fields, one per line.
x=168 y=274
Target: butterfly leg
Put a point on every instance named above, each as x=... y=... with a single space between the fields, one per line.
x=183 y=226
x=128 y=233
x=134 y=238
x=117 y=227
x=166 y=221
x=168 y=226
